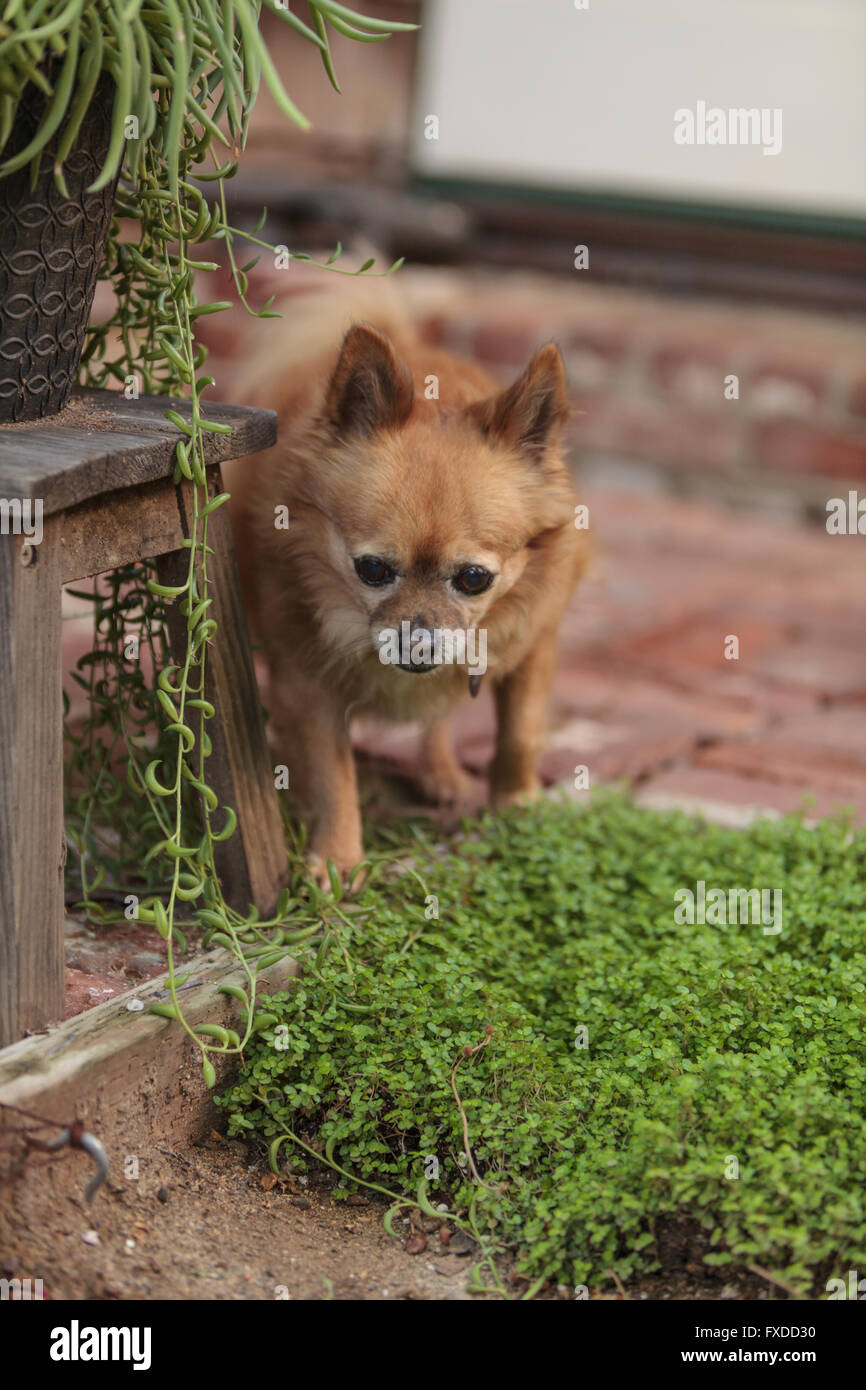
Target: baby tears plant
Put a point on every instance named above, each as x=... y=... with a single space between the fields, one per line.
x=566 y=1068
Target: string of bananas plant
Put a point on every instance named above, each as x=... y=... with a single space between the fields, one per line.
x=186 y=75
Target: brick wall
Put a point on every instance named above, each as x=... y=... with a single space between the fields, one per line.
x=648 y=374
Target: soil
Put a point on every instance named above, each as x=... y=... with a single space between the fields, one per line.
x=211 y=1222
x=81 y=412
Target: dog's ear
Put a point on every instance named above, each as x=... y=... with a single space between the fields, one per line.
x=530 y=414
x=370 y=389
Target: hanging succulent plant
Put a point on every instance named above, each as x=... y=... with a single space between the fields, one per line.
x=120 y=121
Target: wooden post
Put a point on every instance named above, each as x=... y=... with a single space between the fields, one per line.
x=32 y=848
x=102 y=478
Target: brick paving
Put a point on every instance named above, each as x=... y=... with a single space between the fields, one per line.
x=644 y=694
x=650 y=374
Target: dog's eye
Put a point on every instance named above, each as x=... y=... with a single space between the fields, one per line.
x=472 y=579
x=371 y=569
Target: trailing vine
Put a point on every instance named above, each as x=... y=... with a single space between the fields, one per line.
x=186 y=76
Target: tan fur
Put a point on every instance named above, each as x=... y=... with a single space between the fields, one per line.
x=368 y=466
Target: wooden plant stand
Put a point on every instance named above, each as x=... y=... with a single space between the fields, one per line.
x=103 y=473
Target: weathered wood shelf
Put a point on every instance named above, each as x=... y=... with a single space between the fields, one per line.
x=102 y=442
x=102 y=472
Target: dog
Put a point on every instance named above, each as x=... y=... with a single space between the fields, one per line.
x=411 y=535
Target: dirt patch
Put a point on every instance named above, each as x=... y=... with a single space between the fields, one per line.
x=103 y=961
x=199 y=1224
x=208 y=1221
x=81 y=412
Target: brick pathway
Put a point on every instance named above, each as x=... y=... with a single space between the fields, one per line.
x=644 y=692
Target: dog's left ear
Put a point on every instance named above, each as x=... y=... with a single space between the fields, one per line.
x=371 y=389
x=530 y=414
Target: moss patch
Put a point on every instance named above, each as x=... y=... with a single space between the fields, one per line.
x=632 y=1067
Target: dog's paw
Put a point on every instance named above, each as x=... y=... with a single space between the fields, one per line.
x=450 y=786
x=504 y=797
x=345 y=864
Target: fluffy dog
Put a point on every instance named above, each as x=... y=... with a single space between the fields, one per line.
x=430 y=545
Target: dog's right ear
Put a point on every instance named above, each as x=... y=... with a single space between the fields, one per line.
x=370 y=389
x=530 y=414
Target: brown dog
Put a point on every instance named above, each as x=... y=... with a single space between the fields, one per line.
x=422 y=500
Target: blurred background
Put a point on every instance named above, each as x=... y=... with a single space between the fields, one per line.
x=521 y=155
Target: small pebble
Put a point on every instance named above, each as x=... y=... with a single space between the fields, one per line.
x=461 y=1244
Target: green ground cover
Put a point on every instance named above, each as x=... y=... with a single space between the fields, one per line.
x=616 y=1065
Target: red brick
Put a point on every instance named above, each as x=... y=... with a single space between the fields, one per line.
x=507 y=344
x=839 y=729
x=613 y=345
x=826 y=667
x=592 y=358
x=616 y=691
x=630 y=759
x=699 y=642
x=785 y=447
x=774 y=760
x=778 y=390
x=655 y=433
x=692 y=374
x=689 y=785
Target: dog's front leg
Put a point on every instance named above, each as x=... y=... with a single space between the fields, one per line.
x=521 y=721
x=311 y=736
x=442 y=778
x=336 y=814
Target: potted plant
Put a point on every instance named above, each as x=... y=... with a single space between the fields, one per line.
x=114 y=108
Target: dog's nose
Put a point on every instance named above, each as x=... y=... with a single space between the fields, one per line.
x=421 y=650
